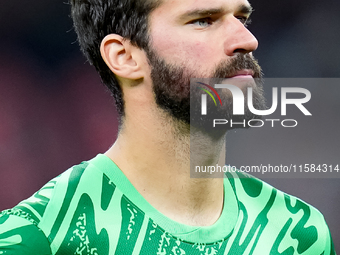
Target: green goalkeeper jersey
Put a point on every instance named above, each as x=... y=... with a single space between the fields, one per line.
x=93 y=209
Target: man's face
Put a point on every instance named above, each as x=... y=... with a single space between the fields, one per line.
x=197 y=39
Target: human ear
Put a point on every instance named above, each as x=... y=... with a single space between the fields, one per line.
x=121 y=57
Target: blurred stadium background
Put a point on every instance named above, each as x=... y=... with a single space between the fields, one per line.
x=55 y=113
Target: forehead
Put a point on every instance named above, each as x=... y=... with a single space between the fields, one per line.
x=175 y=8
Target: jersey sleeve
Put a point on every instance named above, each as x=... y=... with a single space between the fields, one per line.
x=20 y=236
x=329 y=248
x=19 y=227
x=332 y=250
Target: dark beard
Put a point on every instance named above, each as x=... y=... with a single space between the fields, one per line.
x=171 y=85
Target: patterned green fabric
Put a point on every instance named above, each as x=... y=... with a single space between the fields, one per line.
x=93 y=209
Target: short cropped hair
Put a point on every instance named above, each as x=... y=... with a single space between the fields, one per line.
x=94 y=19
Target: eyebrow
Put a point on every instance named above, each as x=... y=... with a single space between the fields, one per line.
x=244 y=9
x=200 y=13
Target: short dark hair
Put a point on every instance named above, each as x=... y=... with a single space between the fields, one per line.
x=94 y=19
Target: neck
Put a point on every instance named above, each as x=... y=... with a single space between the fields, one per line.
x=156 y=157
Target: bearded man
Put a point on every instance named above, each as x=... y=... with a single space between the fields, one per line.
x=138 y=197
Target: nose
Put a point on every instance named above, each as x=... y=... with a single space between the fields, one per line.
x=239 y=39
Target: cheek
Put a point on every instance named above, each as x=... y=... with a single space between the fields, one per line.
x=182 y=49
x=200 y=50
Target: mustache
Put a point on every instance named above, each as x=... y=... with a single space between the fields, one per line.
x=238 y=63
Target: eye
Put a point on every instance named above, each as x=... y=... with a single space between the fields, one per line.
x=244 y=20
x=203 y=23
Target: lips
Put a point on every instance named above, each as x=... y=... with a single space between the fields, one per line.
x=245 y=73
